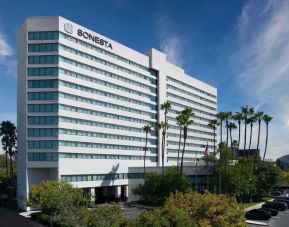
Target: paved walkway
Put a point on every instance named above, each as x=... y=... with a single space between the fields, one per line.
x=10 y=218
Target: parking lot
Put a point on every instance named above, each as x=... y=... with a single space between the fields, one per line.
x=281 y=220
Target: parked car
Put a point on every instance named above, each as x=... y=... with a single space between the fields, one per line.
x=282 y=200
x=275 y=205
x=258 y=214
x=276 y=193
x=273 y=212
x=281 y=197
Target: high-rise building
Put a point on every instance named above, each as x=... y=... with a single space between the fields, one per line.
x=83 y=100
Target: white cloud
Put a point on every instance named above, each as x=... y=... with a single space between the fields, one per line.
x=261 y=62
x=5 y=48
x=171 y=42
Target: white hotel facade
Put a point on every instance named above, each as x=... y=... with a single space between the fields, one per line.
x=83 y=100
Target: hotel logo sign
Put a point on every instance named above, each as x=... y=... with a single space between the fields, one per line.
x=68 y=27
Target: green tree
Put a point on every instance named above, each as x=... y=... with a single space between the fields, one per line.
x=147 y=129
x=157 y=188
x=267 y=176
x=266 y=119
x=56 y=199
x=187 y=114
x=208 y=209
x=9 y=140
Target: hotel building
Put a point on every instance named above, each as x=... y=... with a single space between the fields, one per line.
x=83 y=100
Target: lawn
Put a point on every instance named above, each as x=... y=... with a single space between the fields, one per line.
x=262 y=199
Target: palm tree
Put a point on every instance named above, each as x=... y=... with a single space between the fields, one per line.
x=266 y=119
x=251 y=122
x=231 y=126
x=147 y=129
x=213 y=124
x=259 y=117
x=9 y=139
x=227 y=116
x=180 y=123
x=163 y=126
x=166 y=106
x=238 y=117
x=188 y=114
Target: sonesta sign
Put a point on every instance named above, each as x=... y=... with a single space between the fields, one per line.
x=68 y=27
x=94 y=39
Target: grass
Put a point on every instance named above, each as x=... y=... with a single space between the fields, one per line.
x=262 y=199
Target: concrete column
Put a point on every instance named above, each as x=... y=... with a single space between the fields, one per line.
x=117 y=192
x=126 y=191
x=92 y=194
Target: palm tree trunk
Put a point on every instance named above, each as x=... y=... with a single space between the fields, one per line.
x=259 y=127
x=163 y=153
x=144 y=160
x=251 y=129
x=226 y=151
x=214 y=148
x=184 y=146
x=239 y=136
x=220 y=168
x=266 y=142
x=244 y=147
x=232 y=145
x=11 y=167
x=196 y=173
x=6 y=162
x=180 y=140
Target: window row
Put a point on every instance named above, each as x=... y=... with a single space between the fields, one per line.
x=191 y=94
x=54 y=144
x=44 y=59
x=54 y=156
x=45 y=35
x=50 y=132
x=188 y=144
x=100 y=50
x=104 y=114
x=96 y=177
x=42 y=120
x=175 y=159
x=94 y=69
x=104 y=62
x=174 y=104
x=42 y=132
x=53 y=120
x=52 y=95
x=106 y=104
x=190 y=137
x=41 y=108
x=189 y=86
x=42 y=83
x=194 y=123
x=191 y=130
x=189 y=101
x=108 y=75
x=107 y=94
x=186 y=151
x=43 y=71
x=43 y=47
x=99 y=124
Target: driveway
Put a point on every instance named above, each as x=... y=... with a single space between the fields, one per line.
x=10 y=218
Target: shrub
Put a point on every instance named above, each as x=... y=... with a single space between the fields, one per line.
x=157 y=188
x=208 y=209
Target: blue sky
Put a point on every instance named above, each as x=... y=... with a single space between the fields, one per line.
x=241 y=47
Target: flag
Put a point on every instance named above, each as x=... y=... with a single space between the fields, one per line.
x=206 y=150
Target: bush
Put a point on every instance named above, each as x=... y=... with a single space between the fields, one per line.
x=208 y=209
x=157 y=188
